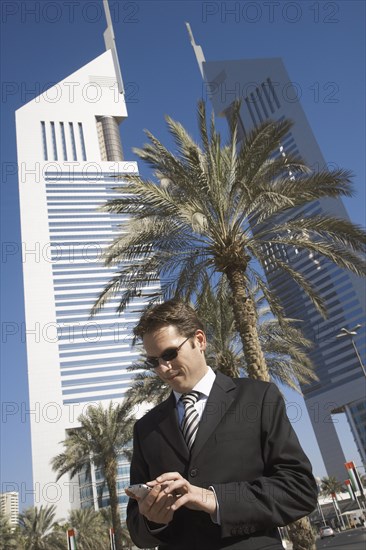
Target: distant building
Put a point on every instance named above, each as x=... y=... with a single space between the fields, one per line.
x=9 y=506
x=340 y=513
x=70 y=159
x=266 y=92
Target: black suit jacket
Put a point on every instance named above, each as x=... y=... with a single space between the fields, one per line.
x=246 y=449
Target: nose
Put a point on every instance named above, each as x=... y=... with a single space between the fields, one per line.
x=164 y=365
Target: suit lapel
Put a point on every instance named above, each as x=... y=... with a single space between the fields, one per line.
x=221 y=397
x=169 y=427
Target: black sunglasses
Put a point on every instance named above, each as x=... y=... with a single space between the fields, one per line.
x=167 y=355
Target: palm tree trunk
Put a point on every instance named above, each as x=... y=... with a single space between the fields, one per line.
x=111 y=477
x=301 y=535
x=300 y=531
x=246 y=324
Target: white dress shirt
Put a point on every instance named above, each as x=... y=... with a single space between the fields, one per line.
x=204 y=386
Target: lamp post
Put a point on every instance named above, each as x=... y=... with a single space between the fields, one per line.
x=351 y=333
x=320 y=512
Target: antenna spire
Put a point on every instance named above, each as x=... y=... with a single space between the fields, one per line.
x=110 y=44
x=197 y=50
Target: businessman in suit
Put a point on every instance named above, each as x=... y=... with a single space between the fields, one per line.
x=225 y=466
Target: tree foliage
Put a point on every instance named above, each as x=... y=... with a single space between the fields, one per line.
x=90 y=528
x=37 y=529
x=330 y=485
x=222 y=209
x=8 y=536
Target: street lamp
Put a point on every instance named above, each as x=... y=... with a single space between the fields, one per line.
x=351 y=333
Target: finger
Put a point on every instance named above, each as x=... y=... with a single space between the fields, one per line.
x=148 y=501
x=153 y=494
x=177 y=487
x=181 y=501
x=155 y=500
x=168 y=476
x=152 y=483
x=130 y=494
x=160 y=510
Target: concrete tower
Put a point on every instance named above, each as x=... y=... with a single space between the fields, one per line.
x=70 y=158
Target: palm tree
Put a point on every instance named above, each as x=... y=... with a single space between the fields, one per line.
x=99 y=440
x=8 y=537
x=198 y=223
x=91 y=531
x=331 y=486
x=301 y=534
x=37 y=529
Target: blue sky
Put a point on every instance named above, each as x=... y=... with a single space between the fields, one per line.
x=322 y=44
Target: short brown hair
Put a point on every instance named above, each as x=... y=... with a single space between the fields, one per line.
x=172 y=312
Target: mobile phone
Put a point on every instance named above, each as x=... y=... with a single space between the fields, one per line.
x=140 y=490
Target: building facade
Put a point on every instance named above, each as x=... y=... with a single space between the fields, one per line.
x=9 y=507
x=266 y=92
x=70 y=160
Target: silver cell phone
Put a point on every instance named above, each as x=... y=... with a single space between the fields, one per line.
x=140 y=490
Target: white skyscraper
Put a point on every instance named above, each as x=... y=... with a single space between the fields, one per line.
x=9 y=507
x=70 y=157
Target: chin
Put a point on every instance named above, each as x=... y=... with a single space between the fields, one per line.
x=178 y=386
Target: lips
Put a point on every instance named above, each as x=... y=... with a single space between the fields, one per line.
x=171 y=377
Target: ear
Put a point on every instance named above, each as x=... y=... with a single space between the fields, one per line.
x=200 y=337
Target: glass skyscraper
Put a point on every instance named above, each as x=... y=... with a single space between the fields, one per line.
x=266 y=92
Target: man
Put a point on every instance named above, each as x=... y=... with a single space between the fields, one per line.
x=233 y=481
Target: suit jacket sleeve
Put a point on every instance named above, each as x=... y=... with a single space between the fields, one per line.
x=285 y=492
x=139 y=527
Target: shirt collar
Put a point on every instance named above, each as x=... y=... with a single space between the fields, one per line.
x=203 y=386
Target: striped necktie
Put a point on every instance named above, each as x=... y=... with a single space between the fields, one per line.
x=190 y=419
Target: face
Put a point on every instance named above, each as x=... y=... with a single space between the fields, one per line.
x=183 y=372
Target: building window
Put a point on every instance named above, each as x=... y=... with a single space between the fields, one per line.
x=73 y=144
x=54 y=144
x=274 y=95
x=44 y=140
x=256 y=107
x=82 y=141
x=266 y=94
x=259 y=95
x=63 y=137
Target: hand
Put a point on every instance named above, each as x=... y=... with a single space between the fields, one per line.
x=156 y=505
x=185 y=494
